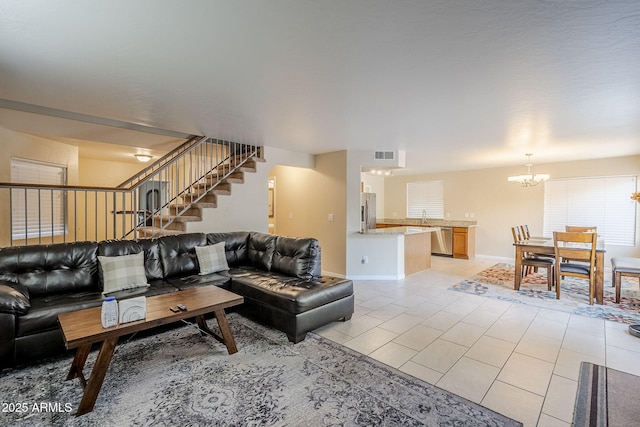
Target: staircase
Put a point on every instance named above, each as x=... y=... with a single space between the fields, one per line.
x=204 y=195
x=177 y=187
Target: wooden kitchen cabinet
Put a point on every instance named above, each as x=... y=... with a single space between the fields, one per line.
x=464 y=242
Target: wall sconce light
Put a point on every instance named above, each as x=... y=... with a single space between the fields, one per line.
x=144 y=158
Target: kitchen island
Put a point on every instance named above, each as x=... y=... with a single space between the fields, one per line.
x=463 y=233
x=393 y=252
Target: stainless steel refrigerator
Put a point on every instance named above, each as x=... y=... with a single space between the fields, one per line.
x=367 y=211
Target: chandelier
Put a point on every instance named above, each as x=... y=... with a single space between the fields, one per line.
x=529 y=179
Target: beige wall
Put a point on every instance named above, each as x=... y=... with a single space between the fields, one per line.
x=305 y=196
x=246 y=208
x=304 y=200
x=103 y=173
x=86 y=172
x=30 y=147
x=497 y=205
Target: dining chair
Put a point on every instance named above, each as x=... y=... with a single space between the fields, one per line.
x=623 y=266
x=527 y=235
x=517 y=234
x=579 y=229
x=524 y=231
x=575 y=246
x=517 y=237
x=531 y=261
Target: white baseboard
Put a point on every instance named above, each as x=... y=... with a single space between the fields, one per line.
x=497 y=258
x=329 y=273
x=379 y=277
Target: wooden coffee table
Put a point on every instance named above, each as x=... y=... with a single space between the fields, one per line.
x=83 y=328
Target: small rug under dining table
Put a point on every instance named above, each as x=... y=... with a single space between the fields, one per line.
x=498 y=281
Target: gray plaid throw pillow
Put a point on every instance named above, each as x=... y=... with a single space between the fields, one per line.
x=211 y=258
x=122 y=272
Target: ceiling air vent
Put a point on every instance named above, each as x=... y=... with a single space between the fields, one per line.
x=384 y=155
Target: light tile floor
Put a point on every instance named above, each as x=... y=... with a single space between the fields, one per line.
x=519 y=360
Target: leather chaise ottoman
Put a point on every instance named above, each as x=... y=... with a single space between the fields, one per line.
x=293 y=305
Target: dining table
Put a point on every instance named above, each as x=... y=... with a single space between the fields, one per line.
x=545 y=246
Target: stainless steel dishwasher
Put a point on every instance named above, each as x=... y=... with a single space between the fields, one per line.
x=442 y=242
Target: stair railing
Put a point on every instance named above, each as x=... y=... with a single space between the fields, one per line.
x=164 y=160
x=189 y=177
x=143 y=206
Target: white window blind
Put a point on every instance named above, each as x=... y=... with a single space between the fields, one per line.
x=425 y=197
x=37 y=212
x=603 y=202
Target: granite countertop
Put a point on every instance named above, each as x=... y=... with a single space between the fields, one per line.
x=429 y=222
x=399 y=230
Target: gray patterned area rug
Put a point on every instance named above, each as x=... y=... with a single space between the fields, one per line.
x=179 y=377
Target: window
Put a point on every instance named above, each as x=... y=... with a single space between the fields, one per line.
x=37 y=212
x=425 y=197
x=603 y=202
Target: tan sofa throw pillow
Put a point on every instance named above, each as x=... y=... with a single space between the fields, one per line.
x=122 y=272
x=211 y=258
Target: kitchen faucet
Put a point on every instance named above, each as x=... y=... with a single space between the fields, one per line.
x=423 y=221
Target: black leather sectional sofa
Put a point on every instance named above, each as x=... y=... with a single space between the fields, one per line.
x=279 y=278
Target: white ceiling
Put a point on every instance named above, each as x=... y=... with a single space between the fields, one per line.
x=456 y=84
